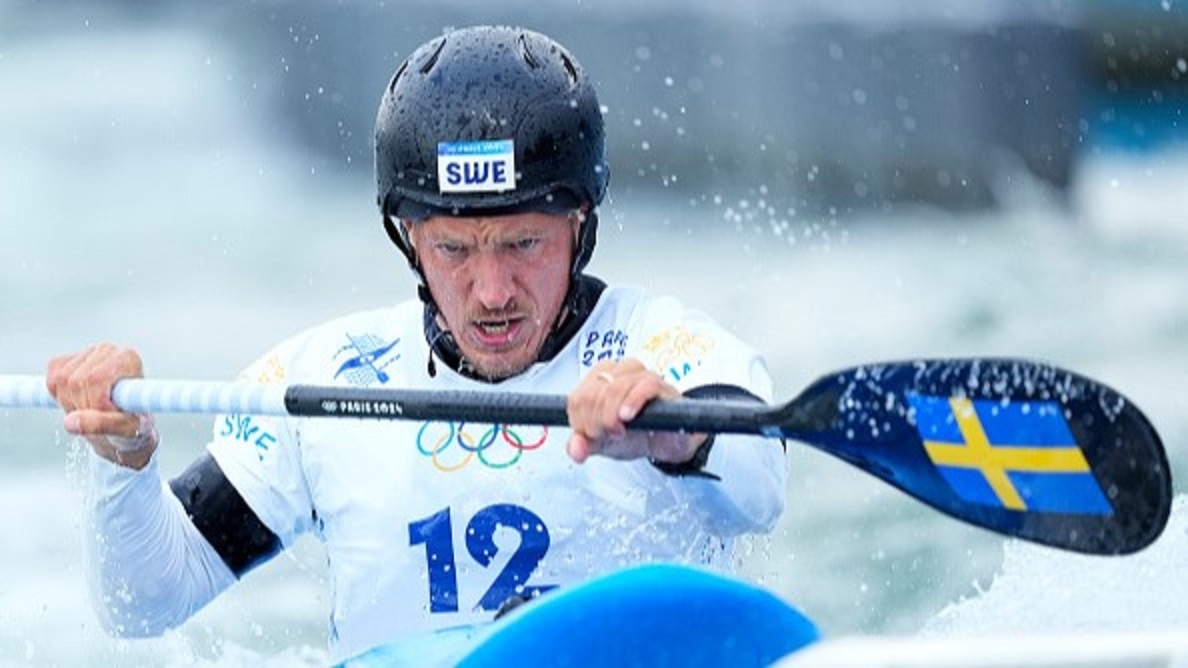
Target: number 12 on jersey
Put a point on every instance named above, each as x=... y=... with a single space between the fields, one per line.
x=436 y=533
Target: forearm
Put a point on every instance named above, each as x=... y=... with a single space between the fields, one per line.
x=740 y=487
x=746 y=494
x=150 y=569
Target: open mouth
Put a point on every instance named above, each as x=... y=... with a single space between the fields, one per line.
x=496 y=333
x=494 y=327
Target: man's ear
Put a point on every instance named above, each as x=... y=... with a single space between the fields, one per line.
x=577 y=218
x=406 y=229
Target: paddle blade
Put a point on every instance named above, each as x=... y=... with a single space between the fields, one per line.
x=1018 y=447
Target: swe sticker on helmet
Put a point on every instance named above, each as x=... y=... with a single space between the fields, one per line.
x=487 y=165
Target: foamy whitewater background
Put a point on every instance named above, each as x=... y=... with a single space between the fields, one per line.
x=139 y=204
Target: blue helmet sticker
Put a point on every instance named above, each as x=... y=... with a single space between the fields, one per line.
x=487 y=165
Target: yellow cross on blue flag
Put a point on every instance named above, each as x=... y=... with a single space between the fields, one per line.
x=1018 y=455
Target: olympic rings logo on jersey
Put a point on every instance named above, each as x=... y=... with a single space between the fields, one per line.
x=451 y=446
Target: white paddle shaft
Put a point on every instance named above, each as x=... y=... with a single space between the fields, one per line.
x=158 y=396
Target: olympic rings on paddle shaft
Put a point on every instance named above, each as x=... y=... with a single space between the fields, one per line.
x=490 y=444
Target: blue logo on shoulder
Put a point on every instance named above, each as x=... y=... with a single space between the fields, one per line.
x=368 y=356
x=250 y=430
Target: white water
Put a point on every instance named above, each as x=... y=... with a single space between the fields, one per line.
x=1080 y=593
x=138 y=205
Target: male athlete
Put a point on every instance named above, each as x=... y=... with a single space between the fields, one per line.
x=490 y=163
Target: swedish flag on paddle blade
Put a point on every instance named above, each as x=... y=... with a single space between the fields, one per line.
x=1016 y=455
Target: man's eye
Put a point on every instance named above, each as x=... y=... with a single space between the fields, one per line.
x=527 y=244
x=451 y=248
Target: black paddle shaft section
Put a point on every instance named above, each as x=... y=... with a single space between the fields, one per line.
x=1117 y=503
x=693 y=415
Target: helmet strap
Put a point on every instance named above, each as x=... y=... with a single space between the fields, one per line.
x=399 y=237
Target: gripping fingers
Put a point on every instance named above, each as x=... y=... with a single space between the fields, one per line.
x=91 y=423
x=82 y=385
x=85 y=380
x=645 y=387
x=609 y=406
x=578 y=448
x=603 y=405
x=128 y=440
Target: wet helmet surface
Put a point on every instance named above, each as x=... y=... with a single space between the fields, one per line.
x=485 y=91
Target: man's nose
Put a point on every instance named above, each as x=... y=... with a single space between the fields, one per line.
x=493 y=282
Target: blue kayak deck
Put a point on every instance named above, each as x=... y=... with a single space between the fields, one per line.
x=651 y=615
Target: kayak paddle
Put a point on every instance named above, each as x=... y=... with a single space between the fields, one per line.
x=1022 y=448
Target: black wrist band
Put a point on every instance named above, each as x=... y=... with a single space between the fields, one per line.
x=694 y=468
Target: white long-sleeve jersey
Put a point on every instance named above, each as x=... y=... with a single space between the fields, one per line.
x=431 y=524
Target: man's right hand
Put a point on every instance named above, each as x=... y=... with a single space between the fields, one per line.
x=82 y=385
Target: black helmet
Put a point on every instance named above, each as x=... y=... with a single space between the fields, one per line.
x=487 y=121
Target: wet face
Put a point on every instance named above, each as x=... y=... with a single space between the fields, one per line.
x=499 y=283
